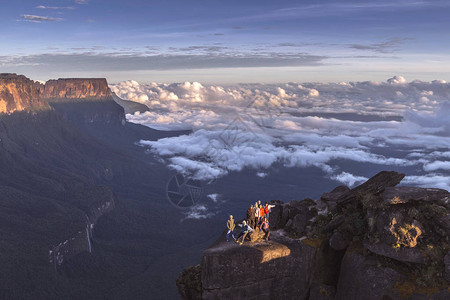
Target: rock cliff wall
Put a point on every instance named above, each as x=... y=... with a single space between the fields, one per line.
x=84 y=101
x=78 y=100
x=19 y=93
x=376 y=241
x=81 y=242
x=77 y=88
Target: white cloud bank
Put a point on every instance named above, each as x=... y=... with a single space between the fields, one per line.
x=300 y=125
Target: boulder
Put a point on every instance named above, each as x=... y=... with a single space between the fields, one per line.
x=373 y=186
x=275 y=215
x=340 y=241
x=413 y=255
x=279 y=269
x=299 y=222
x=335 y=223
x=405 y=194
x=444 y=223
x=364 y=277
x=335 y=194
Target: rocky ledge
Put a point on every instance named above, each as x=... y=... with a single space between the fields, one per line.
x=376 y=241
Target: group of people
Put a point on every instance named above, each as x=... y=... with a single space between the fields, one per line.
x=257 y=218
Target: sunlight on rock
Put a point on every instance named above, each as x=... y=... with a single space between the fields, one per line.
x=406 y=235
x=273 y=251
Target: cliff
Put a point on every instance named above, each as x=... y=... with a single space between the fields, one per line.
x=84 y=101
x=376 y=241
x=81 y=101
x=18 y=93
x=77 y=88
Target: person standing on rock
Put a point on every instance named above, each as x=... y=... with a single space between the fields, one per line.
x=265 y=228
x=257 y=215
x=261 y=214
x=230 y=226
x=266 y=211
x=245 y=230
x=251 y=217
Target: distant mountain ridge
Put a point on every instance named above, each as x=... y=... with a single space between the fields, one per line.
x=77 y=88
x=79 y=100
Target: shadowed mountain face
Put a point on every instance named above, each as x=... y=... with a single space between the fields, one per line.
x=81 y=206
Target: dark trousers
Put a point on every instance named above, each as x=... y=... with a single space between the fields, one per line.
x=252 y=222
x=267 y=232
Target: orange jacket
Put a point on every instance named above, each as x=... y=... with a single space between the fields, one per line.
x=262 y=211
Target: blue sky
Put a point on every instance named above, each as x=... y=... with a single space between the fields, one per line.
x=225 y=42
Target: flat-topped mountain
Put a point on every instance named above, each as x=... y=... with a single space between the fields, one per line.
x=78 y=100
x=77 y=88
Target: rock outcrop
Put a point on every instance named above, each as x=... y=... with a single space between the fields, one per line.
x=376 y=241
x=77 y=88
x=18 y=93
x=233 y=272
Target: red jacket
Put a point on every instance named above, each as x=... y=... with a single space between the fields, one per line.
x=266 y=210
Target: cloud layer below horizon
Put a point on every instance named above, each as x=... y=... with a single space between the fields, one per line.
x=337 y=127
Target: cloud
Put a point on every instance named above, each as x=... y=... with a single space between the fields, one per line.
x=214 y=197
x=39 y=19
x=387 y=46
x=397 y=80
x=141 y=61
x=437 y=165
x=430 y=180
x=55 y=7
x=82 y=1
x=344 y=129
x=349 y=179
x=198 y=212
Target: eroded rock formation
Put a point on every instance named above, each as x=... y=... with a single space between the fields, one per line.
x=77 y=88
x=19 y=93
x=376 y=241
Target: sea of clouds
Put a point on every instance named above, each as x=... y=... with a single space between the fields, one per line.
x=393 y=124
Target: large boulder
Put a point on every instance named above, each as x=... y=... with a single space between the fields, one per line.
x=373 y=186
x=335 y=194
x=279 y=269
x=406 y=194
x=363 y=277
x=413 y=255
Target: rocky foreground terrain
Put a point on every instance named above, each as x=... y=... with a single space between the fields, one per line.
x=376 y=241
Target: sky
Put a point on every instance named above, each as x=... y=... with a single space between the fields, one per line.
x=226 y=42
